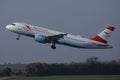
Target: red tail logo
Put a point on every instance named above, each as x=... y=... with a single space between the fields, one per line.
x=104 y=35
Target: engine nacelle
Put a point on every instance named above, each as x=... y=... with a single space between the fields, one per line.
x=40 y=38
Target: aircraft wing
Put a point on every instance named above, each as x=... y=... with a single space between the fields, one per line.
x=55 y=37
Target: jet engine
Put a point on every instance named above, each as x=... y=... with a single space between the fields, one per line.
x=40 y=38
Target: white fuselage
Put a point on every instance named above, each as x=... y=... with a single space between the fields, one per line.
x=68 y=39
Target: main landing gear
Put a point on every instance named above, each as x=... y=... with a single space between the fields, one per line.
x=18 y=37
x=53 y=45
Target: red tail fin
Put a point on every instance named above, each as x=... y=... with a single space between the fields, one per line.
x=104 y=35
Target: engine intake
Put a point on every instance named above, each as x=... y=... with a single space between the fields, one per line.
x=40 y=38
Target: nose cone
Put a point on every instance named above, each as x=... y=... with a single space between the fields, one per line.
x=10 y=27
x=7 y=27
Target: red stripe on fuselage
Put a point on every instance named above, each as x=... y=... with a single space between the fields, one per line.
x=28 y=27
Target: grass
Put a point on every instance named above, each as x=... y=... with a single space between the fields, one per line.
x=78 y=77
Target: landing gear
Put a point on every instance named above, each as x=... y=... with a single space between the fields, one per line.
x=18 y=37
x=53 y=45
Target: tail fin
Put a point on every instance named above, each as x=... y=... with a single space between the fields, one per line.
x=104 y=35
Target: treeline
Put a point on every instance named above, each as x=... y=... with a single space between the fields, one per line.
x=5 y=72
x=8 y=72
x=12 y=69
x=90 y=67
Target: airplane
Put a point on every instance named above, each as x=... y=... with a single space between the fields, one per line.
x=44 y=35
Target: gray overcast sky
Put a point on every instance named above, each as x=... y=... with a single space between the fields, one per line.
x=84 y=17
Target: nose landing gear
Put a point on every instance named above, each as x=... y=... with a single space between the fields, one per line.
x=18 y=37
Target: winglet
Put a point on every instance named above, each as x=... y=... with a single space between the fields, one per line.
x=104 y=35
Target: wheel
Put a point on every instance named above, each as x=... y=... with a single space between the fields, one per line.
x=17 y=38
x=53 y=47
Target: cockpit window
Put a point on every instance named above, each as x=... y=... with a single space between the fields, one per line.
x=13 y=24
